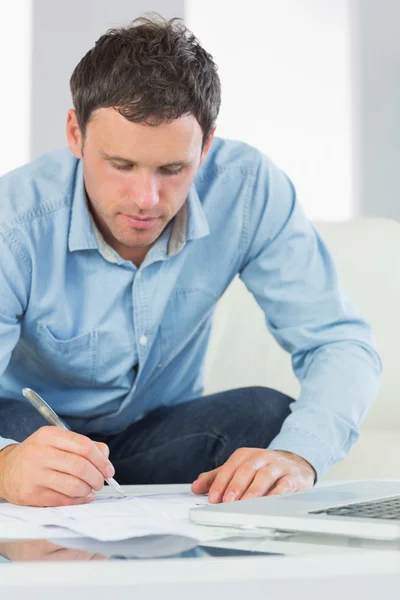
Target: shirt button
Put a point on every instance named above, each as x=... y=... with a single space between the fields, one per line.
x=138 y=274
x=143 y=340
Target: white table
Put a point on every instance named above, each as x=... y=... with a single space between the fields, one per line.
x=328 y=567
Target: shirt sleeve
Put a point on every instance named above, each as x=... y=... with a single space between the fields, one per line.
x=291 y=274
x=14 y=291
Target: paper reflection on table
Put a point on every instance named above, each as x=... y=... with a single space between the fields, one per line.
x=41 y=550
x=148 y=547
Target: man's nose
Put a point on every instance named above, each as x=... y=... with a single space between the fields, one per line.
x=146 y=192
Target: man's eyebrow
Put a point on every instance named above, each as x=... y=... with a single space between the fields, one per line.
x=176 y=163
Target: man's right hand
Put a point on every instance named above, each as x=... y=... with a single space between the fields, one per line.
x=53 y=467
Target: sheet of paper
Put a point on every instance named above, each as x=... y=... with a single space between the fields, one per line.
x=111 y=518
x=16 y=529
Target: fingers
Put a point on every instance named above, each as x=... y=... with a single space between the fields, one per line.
x=81 y=469
x=48 y=497
x=65 y=484
x=230 y=484
x=285 y=485
x=103 y=448
x=253 y=472
x=256 y=486
x=267 y=479
x=53 y=467
x=77 y=444
x=204 y=481
x=235 y=476
x=69 y=466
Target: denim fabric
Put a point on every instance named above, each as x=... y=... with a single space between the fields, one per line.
x=174 y=444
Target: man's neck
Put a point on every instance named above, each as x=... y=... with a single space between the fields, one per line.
x=134 y=255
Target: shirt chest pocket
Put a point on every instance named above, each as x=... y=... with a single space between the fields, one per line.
x=71 y=361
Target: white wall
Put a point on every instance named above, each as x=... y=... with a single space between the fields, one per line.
x=376 y=43
x=286 y=76
x=63 y=31
x=41 y=41
x=312 y=83
x=15 y=71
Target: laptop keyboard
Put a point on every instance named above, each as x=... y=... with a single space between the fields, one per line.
x=376 y=509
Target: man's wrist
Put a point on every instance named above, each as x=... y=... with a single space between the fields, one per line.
x=299 y=458
x=4 y=451
x=3 y=455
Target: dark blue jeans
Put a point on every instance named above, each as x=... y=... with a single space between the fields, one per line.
x=174 y=444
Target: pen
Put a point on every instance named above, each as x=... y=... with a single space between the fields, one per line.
x=51 y=417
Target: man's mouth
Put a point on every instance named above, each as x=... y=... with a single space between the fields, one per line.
x=137 y=222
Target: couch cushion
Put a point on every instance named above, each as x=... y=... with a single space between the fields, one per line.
x=367 y=252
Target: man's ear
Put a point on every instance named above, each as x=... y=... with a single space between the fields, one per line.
x=207 y=146
x=74 y=134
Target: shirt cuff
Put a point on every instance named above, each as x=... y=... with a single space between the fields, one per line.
x=307 y=446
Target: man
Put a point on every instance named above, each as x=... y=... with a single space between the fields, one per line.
x=114 y=254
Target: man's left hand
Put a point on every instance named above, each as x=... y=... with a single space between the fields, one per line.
x=255 y=472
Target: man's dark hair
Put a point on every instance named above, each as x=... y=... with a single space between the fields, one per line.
x=152 y=71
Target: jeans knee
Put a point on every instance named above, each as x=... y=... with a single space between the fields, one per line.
x=273 y=402
x=253 y=418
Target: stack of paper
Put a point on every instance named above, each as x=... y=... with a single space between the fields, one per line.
x=111 y=518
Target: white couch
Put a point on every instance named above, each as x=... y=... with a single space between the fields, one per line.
x=242 y=352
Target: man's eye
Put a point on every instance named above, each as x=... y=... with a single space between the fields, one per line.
x=171 y=171
x=121 y=167
x=164 y=171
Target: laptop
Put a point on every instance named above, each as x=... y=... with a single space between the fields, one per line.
x=366 y=509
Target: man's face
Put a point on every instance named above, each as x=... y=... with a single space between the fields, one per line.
x=136 y=176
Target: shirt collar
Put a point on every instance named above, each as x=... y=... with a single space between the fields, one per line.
x=190 y=223
x=81 y=234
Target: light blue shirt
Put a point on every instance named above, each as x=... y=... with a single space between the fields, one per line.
x=105 y=342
